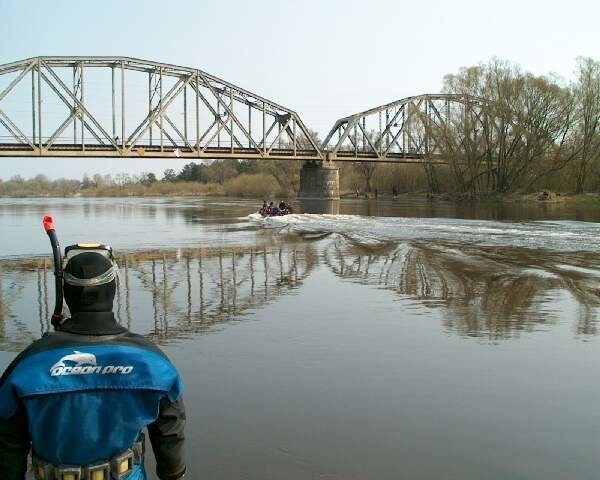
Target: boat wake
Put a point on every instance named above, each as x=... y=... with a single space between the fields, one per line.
x=551 y=235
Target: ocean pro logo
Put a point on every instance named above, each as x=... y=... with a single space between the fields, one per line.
x=81 y=363
x=77 y=358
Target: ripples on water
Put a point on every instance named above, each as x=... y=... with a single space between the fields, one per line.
x=410 y=344
x=491 y=279
x=556 y=235
x=164 y=294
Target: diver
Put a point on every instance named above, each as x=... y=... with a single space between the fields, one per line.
x=80 y=397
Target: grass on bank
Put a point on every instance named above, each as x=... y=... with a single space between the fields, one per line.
x=259 y=185
x=266 y=185
x=244 y=185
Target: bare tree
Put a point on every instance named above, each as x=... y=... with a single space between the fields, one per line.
x=587 y=93
x=521 y=132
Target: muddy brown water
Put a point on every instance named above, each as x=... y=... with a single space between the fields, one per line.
x=369 y=340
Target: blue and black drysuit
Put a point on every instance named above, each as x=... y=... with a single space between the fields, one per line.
x=118 y=383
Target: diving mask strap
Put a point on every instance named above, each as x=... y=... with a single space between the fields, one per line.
x=101 y=279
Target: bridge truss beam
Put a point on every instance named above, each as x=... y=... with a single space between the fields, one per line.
x=127 y=107
x=409 y=130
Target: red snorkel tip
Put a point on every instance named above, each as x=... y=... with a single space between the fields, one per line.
x=48 y=223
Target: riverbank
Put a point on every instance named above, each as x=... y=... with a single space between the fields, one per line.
x=258 y=186
x=194 y=189
x=536 y=197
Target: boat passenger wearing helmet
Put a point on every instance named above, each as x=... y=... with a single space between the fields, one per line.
x=80 y=397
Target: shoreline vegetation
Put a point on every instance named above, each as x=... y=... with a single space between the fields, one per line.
x=248 y=185
x=525 y=137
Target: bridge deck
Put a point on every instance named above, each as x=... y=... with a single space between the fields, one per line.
x=154 y=151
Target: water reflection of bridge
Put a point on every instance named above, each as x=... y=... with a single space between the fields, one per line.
x=163 y=294
x=483 y=292
x=493 y=293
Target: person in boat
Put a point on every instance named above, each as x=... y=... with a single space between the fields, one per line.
x=80 y=397
x=284 y=209
x=263 y=209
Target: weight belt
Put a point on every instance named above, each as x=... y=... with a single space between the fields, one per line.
x=116 y=468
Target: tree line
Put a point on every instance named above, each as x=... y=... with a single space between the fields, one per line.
x=517 y=132
x=529 y=131
x=218 y=177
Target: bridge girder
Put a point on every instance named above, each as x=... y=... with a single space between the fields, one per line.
x=173 y=111
x=185 y=112
x=404 y=131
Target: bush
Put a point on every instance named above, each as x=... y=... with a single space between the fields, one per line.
x=251 y=185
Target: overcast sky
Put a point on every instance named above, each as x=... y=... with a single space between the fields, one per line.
x=324 y=59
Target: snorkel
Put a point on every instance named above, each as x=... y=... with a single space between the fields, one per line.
x=62 y=274
x=57 y=315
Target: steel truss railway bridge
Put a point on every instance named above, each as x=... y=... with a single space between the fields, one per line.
x=127 y=107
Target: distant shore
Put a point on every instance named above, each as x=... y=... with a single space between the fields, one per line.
x=193 y=189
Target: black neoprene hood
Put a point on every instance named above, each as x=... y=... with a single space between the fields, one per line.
x=94 y=298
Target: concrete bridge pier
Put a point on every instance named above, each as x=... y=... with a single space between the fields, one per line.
x=319 y=180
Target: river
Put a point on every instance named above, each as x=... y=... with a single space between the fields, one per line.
x=368 y=340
